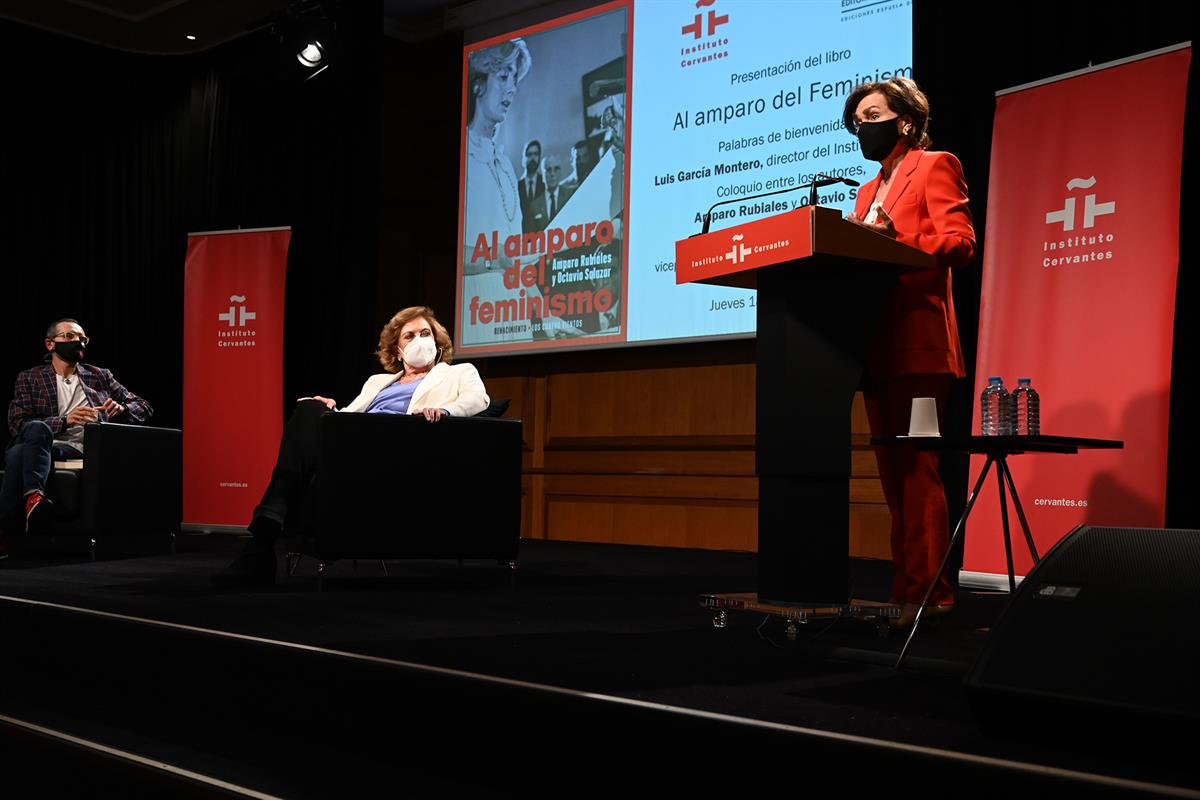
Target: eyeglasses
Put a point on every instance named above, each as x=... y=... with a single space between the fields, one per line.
x=855 y=124
x=72 y=336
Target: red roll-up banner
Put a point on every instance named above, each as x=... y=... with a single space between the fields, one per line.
x=1079 y=271
x=233 y=291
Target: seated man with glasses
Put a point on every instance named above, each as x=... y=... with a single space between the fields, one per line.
x=49 y=408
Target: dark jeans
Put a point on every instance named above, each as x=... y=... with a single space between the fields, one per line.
x=28 y=463
x=290 y=491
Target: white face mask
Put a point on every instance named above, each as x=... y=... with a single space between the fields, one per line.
x=420 y=352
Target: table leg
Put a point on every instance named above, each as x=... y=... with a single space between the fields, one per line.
x=958 y=529
x=1012 y=488
x=1001 y=466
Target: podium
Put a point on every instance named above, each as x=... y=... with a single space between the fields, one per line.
x=822 y=283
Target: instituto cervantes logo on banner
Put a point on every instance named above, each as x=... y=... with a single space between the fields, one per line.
x=1091 y=243
x=236 y=333
x=704 y=40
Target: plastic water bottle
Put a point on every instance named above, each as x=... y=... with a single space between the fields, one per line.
x=1024 y=405
x=994 y=409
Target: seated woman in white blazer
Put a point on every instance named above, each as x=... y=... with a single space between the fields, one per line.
x=416 y=351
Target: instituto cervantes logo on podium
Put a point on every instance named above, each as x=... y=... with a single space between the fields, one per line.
x=1089 y=244
x=704 y=27
x=236 y=333
x=739 y=251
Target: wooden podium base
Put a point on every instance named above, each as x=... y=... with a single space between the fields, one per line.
x=798 y=613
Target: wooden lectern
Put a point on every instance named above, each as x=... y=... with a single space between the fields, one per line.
x=821 y=283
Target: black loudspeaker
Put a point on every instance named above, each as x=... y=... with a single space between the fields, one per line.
x=1101 y=640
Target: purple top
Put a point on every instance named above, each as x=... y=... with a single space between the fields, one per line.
x=394 y=399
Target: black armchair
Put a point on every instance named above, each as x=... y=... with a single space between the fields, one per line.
x=394 y=486
x=130 y=484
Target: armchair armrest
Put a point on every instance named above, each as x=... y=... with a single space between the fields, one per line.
x=132 y=478
x=467 y=505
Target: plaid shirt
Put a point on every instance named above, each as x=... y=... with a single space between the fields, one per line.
x=35 y=396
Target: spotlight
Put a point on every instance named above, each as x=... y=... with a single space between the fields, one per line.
x=307 y=33
x=312 y=55
x=190 y=37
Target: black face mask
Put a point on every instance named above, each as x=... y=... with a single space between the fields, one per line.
x=71 y=352
x=878 y=138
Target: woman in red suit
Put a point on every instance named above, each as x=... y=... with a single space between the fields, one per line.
x=919 y=198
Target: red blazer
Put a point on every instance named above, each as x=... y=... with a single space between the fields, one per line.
x=918 y=333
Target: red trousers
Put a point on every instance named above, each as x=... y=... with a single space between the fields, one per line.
x=912 y=486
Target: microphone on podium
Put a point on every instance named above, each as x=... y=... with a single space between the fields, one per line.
x=819 y=180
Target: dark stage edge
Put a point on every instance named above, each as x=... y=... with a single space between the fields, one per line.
x=597 y=664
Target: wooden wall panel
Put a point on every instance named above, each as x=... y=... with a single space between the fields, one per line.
x=666 y=523
x=661 y=457
x=682 y=402
x=870 y=529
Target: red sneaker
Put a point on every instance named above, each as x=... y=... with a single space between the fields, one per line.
x=37 y=510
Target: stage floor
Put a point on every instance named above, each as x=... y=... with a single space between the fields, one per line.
x=610 y=620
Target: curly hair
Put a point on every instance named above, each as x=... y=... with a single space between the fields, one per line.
x=389 y=337
x=481 y=63
x=904 y=97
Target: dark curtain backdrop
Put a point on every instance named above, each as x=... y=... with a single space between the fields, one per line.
x=108 y=159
